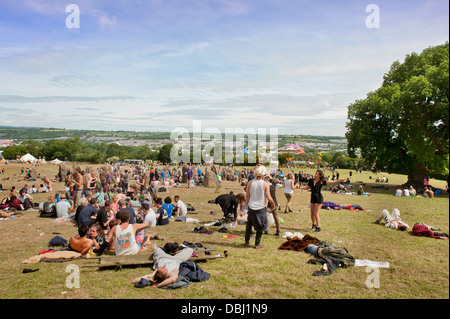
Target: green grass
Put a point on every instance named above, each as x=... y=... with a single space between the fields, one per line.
x=419 y=267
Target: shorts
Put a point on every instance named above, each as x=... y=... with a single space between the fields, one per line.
x=140 y=237
x=77 y=197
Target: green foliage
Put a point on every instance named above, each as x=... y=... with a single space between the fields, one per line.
x=73 y=149
x=164 y=153
x=403 y=126
x=282 y=158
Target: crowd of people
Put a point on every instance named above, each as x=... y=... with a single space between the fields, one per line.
x=116 y=208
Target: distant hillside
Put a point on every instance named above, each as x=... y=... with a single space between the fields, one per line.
x=34 y=133
x=26 y=133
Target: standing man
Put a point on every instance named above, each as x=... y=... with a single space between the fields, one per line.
x=77 y=179
x=274 y=209
x=126 y=180
x=189 y=175
x=257 y=199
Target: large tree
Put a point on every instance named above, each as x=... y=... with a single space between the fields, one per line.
x=403 y=127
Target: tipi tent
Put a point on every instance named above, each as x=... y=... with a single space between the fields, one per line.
x=28 y=158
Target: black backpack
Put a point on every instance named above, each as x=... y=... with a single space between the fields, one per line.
x=48 y=210
x=192 y=271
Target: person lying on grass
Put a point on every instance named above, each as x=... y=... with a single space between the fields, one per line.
x=421 y=229
x=392 y=221
x=5 y=214
x=166 y=267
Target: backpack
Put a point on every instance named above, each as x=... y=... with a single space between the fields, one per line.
x=48 y=210
x=193 y=272
x=57 y=241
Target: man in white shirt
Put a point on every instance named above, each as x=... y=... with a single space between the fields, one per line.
x=181 y=207
x=406 y=192
x=166 y=267
x=64 y=208
x=149 y=215
x=43 y=189
x=393 y=220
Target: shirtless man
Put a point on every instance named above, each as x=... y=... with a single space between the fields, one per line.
x=80 y=242
x=78 y=187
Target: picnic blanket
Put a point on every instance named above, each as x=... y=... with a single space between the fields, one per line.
x=57 y=256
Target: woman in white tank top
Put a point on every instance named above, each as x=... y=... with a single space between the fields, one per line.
x=289 y=191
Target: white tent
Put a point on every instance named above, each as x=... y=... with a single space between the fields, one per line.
x=56 y=161
x=28 y=158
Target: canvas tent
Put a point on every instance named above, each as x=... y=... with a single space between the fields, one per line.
x=56 y=161
x=28 y=158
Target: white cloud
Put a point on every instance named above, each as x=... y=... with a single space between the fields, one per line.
x=104 y=20
x=217 y=61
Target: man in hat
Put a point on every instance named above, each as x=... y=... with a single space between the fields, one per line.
x=257 y=198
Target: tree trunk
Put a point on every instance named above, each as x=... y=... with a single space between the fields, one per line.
x=416 y=177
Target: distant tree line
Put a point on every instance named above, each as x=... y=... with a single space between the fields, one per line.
x=73 y=149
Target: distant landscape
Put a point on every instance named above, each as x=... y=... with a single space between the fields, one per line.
x=93 y=144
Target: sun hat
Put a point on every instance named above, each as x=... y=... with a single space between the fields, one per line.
x=260 y=170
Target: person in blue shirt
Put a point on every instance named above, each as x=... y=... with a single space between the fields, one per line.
x=100 y=195
x=86 y=214
x=168 y=205
x=189 y=175
x=122 y=207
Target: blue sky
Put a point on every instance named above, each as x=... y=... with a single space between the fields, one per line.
x=155 y=65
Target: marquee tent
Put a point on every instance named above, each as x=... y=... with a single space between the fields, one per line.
x=28 y=158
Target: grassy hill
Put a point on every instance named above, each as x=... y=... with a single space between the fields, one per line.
x=419 y=267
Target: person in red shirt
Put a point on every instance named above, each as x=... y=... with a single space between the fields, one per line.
x=421 y=229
